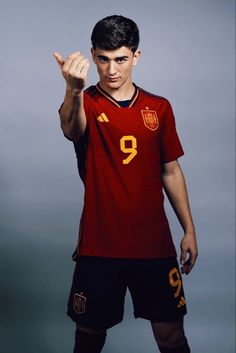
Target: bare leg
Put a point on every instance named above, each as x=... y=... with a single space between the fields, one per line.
x=170 y=336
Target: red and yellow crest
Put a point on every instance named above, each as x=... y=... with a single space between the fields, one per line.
x=150 y=119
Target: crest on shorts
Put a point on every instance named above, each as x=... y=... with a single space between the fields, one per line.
x=79 y=303
x=150 y=119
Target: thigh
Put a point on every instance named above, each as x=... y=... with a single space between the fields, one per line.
x=97 y=293
x=156 y=289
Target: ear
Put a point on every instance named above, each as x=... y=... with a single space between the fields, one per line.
x=136 y=57
x=93 y=55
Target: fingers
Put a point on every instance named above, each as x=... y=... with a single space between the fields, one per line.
x=85 y=68
x=59 y=59
x=70 y=59
x=76 y=65
x=74 y=69
x=183 y=261
x=183 y=256
x=187 y=267
x=187 y=264
x=188 y=246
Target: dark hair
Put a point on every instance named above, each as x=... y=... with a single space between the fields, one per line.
x=113 y=32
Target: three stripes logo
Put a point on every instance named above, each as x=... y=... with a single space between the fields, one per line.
x=182 y=302
x=103 y=118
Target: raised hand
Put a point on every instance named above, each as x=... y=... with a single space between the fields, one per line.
x=74 y=69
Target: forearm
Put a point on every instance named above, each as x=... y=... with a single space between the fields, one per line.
x=72 y=115
x=175 y=188
x=74 y=70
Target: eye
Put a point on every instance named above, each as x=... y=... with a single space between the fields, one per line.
x=120 y=60
x=102 y=59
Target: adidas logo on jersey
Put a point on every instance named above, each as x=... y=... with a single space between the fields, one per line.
x=182 y=302
x=103 y=118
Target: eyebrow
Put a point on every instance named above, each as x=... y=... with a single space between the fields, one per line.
x=117 y=58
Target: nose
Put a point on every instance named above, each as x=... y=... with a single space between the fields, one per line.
x=112 y=68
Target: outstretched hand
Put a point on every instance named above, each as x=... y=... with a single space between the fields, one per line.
x=188 y=245
x=74 y=69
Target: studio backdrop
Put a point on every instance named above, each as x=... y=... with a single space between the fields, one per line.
x=188 y=57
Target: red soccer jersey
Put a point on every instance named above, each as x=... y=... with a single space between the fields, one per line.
x=120 y=159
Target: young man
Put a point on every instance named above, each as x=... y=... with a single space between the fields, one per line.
x=127 y=149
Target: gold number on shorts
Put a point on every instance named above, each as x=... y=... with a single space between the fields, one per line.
x=175 y=280
x=131 y=150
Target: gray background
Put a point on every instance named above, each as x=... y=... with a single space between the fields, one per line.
x=188 y=57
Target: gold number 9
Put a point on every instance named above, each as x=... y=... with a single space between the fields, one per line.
x=131 y=150
x=175 y=280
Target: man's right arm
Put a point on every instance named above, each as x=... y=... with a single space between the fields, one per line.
x=74 y=70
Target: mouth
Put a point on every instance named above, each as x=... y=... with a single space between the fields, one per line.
x=112 y=79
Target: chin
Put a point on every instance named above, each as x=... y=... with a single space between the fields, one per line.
x=114 y=85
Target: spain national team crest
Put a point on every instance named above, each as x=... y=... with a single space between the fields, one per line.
x=150 y=119
x=79 y=303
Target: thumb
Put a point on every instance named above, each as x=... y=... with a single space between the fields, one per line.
x=183 y=256
x=59 y=59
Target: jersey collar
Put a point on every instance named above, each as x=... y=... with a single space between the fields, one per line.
x=114 y=101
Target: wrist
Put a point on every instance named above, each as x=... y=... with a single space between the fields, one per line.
x=74 y=92
x=189 y=229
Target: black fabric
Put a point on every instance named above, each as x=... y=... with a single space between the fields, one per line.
x=181 y=349
x=124 y=104
x=88 y=342
x=99 y=287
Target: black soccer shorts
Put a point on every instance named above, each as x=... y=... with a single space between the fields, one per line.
x=99 y=286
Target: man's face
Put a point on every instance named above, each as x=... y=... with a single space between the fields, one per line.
x=115 y=66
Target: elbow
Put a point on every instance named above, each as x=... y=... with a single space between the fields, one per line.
x=171 y=169
x=72 y=134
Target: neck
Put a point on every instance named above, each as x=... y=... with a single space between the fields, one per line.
x=122 y=93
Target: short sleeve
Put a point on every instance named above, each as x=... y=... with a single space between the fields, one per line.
x=88 y=107
x=170 y=146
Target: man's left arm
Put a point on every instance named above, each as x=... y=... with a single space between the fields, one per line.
x=176 y=191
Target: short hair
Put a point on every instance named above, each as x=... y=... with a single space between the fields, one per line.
x=113 y=32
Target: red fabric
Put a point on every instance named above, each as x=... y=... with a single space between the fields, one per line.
x=123 y=215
